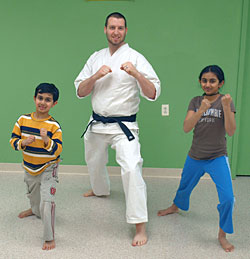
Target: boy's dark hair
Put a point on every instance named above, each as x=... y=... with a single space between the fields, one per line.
x=116 y=15
x=214 y=69
x=47 y=88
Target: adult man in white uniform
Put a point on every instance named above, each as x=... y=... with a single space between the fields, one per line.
x=115 y=77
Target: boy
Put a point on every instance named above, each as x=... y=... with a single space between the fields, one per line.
x=39 y=137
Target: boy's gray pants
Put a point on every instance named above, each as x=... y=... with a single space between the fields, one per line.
x=41 y=192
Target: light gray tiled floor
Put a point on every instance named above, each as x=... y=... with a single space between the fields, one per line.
x=96 y=227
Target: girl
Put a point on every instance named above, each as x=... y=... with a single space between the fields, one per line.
x=211 y=116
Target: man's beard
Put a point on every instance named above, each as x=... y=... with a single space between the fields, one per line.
x=116 y=43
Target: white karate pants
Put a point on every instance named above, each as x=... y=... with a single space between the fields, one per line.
x=129 y=158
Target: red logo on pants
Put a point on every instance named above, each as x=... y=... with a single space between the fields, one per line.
x=52 y=191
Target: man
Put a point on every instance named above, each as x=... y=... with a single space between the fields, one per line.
x=115 y=76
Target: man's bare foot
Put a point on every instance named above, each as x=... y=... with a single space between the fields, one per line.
x=140 y=237
x=88 y=194
x=228 y=247
x=25 y=213
x=170 y=210
x=48 y=245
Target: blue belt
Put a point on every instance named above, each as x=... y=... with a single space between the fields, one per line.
x=118 y=120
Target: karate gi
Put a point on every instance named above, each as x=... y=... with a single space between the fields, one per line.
x=116 y=95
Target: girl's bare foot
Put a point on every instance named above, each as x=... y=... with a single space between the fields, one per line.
x=88 y=194
x=228 y=247
x=170 y=210
x=140 y=237
x=25 y=213
x=48 y=245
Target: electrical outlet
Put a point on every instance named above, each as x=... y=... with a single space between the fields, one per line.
x=165 y=110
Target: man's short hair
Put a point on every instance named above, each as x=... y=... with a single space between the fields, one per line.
x=47 y=88
x=116 y=15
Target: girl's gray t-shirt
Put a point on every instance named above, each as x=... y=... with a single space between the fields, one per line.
x=209 y=135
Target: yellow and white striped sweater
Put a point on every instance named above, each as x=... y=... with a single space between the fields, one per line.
x=36 y=156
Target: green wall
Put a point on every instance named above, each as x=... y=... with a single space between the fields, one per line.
x=49 y=41
x=241 y=161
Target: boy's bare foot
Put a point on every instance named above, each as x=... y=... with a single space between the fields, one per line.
x=48 y=245
x=88 y=194
x=170 y=210
x=228 y=247
x=25 y=213
x=140 y=237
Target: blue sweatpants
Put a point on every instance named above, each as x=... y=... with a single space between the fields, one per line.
x=219 y=171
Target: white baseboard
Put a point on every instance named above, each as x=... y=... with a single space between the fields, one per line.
x=113 y=170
